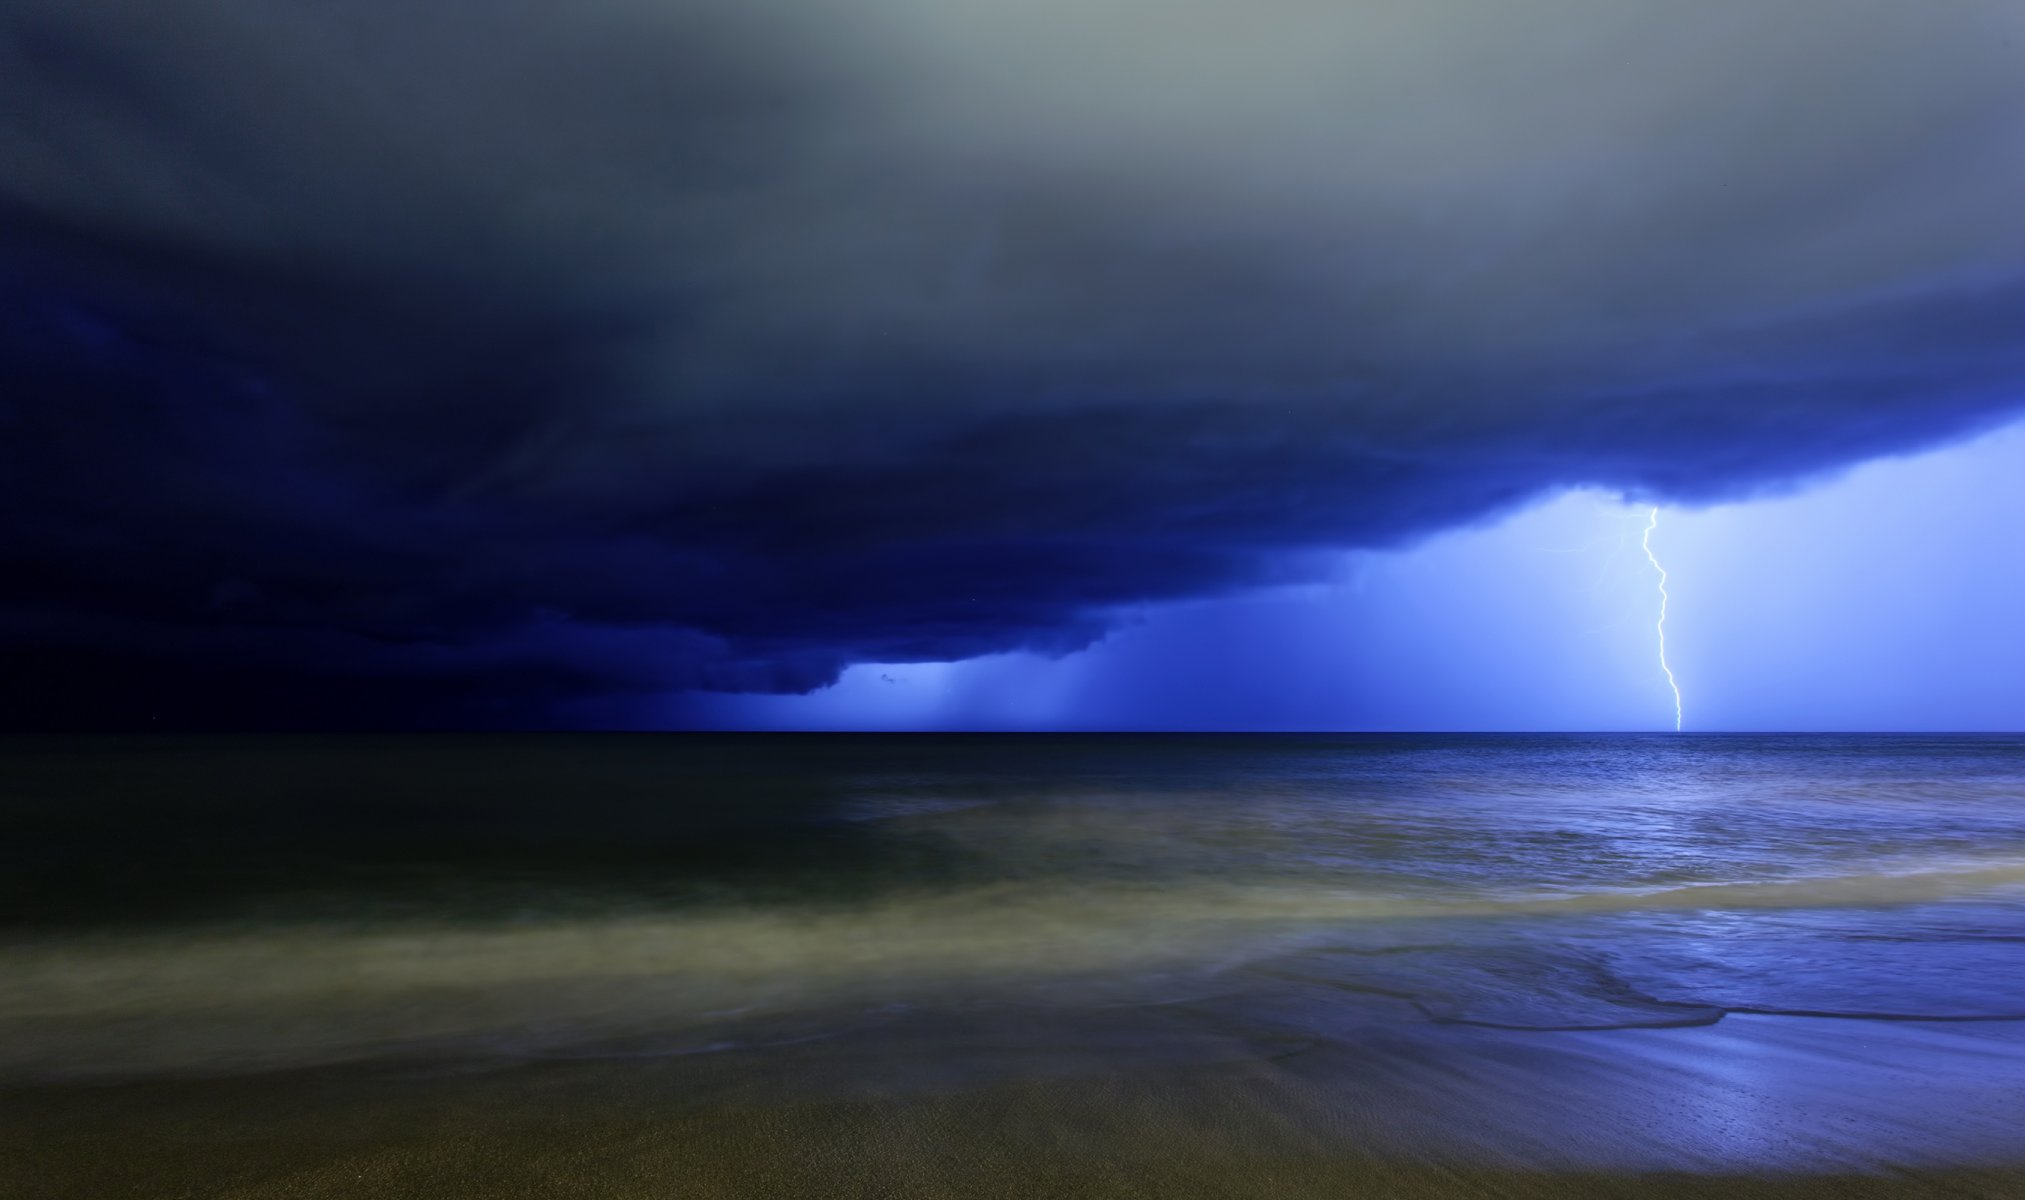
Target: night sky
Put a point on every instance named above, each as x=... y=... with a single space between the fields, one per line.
x=1107 y=364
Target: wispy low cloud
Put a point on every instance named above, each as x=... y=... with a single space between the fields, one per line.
x=380 y=363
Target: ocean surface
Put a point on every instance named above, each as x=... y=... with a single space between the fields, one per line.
x=1623 y=952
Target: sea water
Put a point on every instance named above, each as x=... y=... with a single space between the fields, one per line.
x=944 y=911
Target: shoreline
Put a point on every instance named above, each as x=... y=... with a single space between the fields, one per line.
x=1758 y=1107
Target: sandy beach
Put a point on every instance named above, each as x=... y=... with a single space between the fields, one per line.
x=1106 y=969
x=1753 y=1106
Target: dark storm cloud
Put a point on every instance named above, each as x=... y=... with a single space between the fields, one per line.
x=393 y=363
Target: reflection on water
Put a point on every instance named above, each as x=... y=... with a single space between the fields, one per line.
x=984 y=908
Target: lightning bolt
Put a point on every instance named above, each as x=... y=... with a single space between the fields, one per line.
x=1654 y=560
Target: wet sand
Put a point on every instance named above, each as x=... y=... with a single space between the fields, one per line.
x=1035 y=968
x=1753 y=1106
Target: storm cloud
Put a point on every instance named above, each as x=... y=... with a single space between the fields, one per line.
x=380 y=363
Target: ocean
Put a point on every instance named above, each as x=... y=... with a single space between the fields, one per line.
x=229 y=963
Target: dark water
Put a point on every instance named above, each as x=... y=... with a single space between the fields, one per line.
x=961 y=909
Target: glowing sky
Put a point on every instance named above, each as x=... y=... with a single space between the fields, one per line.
x=428 y=364
x=1883 y=599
